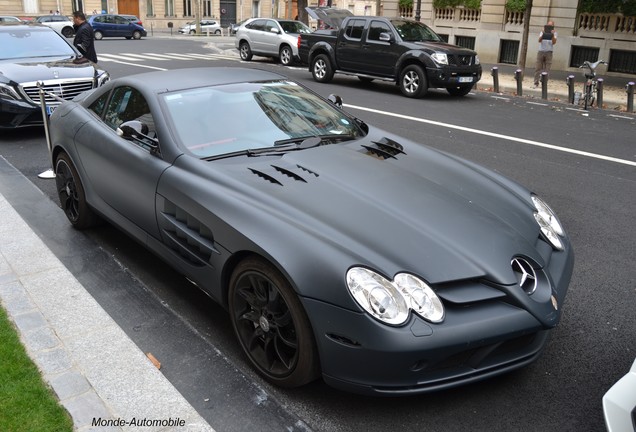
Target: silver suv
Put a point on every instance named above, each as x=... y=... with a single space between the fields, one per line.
x=267 y=37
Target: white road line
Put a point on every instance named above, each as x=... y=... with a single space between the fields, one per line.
x=144 y=56
x=172 y=56
x=131 y=64
x=117 y=57
x=499 y=136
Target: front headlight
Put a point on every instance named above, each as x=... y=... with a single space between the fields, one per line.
x=8 y=92
x=476 y=59
x=391 y=301
x=548 y=222
x=103 y=78
x=440 y=58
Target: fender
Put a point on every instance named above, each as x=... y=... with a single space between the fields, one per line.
x=418 y=56
x=322 y=48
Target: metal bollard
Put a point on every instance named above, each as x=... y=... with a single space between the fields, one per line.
x=519 y=78
x=570 y=83
x=599 y=93
x=495 y=79
x=544 y=85
x=630 y=96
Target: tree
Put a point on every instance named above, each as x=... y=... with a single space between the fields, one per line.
x=524 y=37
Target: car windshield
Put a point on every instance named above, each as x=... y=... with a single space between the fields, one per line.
x=413 y=31
x=294 y=27
x=24 y=43
x=213 y=121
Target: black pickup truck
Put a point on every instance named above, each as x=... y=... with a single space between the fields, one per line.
x=392 y=49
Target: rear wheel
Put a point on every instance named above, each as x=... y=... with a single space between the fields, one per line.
x=271 y=324
x=98 y=35
x=286 y=55
x=68 y=32
x=136 y=35
x=459 y=90
x=71 y=194
x=413 y=81
x=245 y=51
x=321 y=69
x=217 y=32
x=193 y=32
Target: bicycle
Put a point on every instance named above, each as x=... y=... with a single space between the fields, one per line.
x=590 y=90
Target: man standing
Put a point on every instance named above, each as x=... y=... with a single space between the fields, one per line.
x=547 y=39
x=84 y=37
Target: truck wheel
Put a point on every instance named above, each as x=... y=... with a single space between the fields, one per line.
x=245 y=51
x=459 y=90
x=321 y=69
x=413 y=81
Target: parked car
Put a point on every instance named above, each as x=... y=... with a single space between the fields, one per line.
x=267 y=37
x=404 y=51
x=13 y=19
x=115 y=26
x=339 y=250
x=619 y=404
x=207 y=26
x=60 y=23
x=35 y=53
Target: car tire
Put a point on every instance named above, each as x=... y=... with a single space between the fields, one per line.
x=459 y=90
x=193 y=32
x=98 y=35
x=136 y=35
x=71 y=194
x=413 y=82
x=217 y=32
x=271 y=324
x=245 y=51
x=321 y=68
x=286 y=55
x=68 y=32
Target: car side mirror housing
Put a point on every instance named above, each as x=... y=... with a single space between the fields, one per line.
x=274 y=30
x=386 y=37
x=131 y=129
x=335 y=100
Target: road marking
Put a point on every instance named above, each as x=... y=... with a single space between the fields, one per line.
x=118 y=57
x=537 y=103
x=131 y=64
x=499 y=136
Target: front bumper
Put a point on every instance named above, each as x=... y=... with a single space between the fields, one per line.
x=14 y=114
x=453 y=76
x=476 y=340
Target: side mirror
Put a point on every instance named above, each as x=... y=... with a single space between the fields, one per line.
x=386 y=37
x=132 y=129
x=335 y=100
x=274 y=30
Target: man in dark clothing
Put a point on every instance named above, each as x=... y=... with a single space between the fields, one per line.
x=84 y=37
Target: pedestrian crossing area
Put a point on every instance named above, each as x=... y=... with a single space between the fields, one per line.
x=161 y=57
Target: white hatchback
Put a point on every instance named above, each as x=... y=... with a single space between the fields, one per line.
x=207 y=26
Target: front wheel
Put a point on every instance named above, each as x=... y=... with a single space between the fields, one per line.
x=98 y=35
x=459 y=90
x=217 y=32
x=286 y=55
x=67 y=32
x=245 y=51
x=71 y=194
x=413 y=81
x=271 y=324
x=321 y=69
x=136 y=35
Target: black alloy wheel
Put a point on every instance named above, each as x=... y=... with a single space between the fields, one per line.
x=71 y=194
x=271 y=324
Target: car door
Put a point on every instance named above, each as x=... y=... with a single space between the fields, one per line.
x=379 y=56
x=349 y=44
x=124 y=174
x=121 y=26
x=254 y=31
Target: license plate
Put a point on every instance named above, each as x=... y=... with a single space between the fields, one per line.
x=50 y=109
x=465 y=79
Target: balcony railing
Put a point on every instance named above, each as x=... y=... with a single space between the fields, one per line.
x=460 y=15
x=613 y=26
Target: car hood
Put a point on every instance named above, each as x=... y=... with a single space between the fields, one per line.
x=45 y=68
x=330 y=15
x=409 y=211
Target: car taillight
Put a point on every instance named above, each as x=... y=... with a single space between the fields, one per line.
x=298 y=42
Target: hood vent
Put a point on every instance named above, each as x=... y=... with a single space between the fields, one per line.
x=275 y=176
x=384 y=149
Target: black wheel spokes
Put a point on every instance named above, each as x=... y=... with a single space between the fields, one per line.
x=266 y=325
x=67 y=192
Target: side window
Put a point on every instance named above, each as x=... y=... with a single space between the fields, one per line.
x=119 y=20
x=257 y=25
x=270 y=25
x=98 y=106
x=354 y=29
x=128 y=104
x=376 y=28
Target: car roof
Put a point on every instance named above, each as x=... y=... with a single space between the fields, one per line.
x=31 y=26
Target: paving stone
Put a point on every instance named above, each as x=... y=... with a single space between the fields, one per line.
x=69 y=384
x=53 y=361
x=40 y=339
x=29 y=321
x=86 y=407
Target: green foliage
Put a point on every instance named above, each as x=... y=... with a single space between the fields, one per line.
x=626 y=7
x=443 y=4
x=26 y=403
x=516 y=5
x=406 y=3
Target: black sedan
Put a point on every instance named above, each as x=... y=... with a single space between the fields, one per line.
x=33 y=54
x=340 y=250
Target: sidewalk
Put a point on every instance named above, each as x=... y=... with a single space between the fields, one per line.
x=93 y=367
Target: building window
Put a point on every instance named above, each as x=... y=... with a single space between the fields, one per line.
x=465 y=42
x=150 y=10
x=508 y=51
x=187 y=8
x=207 y=8
x=579 y=54
x=622 y=61
x=169 y=5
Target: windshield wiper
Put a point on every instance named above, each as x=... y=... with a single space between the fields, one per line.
x=283 y=146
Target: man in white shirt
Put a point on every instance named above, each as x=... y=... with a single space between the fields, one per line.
x=547 y=39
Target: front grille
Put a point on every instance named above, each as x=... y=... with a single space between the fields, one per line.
x=65 y=89
x=461 y=60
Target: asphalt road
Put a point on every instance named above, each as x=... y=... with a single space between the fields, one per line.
x=584 y=165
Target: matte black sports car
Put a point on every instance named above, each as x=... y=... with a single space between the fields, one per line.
x=33 y=54
x=338 y=249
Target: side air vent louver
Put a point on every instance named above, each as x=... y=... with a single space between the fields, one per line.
x=265 y=176
x=385 y=148
x=288 y=173
x=279 y=174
